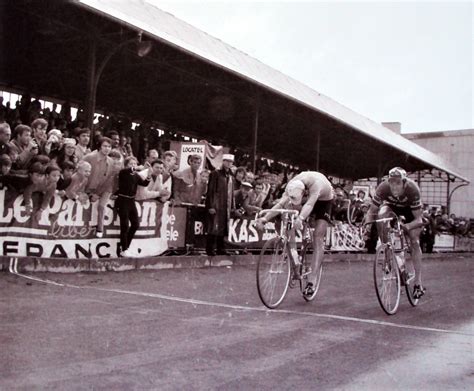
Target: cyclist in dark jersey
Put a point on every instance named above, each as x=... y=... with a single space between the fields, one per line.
x=401 y=195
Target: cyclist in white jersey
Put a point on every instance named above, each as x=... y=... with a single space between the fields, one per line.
x=318 y=204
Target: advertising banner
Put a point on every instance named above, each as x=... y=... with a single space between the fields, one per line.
x=243 y=234
x=67 y=229
x=444 y=242
x=463 y=244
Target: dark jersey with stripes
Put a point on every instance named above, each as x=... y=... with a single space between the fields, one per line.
x=410 y=198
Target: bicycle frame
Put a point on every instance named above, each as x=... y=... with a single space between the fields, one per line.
x=394 y=257
x=298 y=268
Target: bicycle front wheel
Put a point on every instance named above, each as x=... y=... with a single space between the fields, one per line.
x=273 y=273
x=387 y=280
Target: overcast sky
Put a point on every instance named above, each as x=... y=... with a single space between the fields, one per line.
x=410 y=62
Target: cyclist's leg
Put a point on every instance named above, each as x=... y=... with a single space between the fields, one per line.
x=384 y=212
x=414 y=236
x=319 y=234
x=322 y=215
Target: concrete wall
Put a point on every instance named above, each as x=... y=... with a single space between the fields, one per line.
x=457 y=147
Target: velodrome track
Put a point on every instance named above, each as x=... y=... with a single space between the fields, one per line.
x=201 y=329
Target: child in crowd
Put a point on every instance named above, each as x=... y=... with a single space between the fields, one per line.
x=67 y=169
x=77 y=188
x=43 y=181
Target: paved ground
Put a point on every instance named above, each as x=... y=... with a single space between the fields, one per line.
x=201 y=329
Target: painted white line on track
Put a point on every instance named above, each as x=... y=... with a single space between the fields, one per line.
x=247 y=308
x=14 y=270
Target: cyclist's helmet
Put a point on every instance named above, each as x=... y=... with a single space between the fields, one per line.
x=398 y=173
x=294 y=190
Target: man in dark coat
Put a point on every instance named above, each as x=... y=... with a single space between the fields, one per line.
x=219 y=204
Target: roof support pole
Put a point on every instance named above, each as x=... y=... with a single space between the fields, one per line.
x=91 y=85
x=95 y=72
x=255 y=137
x=448 y=206
x=318 y=147
x=379 y=172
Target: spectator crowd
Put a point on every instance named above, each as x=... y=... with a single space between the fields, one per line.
x=46 y=151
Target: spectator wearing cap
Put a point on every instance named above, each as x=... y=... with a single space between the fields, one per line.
x=241 y=196
x=253 y=203
x=5 y=135
x=83 y=136
x=188 y=186
x=99 y=182
x=22 y=148
x=67 y=153
x=39 y=127
x=219 y=204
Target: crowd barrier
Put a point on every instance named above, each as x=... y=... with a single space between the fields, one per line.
x=66 y=229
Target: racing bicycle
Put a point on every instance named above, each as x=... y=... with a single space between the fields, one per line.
x=280 y=266
x=391 y=270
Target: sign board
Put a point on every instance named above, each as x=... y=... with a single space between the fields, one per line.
x=187 y=149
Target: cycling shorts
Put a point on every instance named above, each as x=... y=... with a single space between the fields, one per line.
x=322 y=211
x=402 y=211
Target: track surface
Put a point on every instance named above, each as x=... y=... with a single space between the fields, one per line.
x=201 y=329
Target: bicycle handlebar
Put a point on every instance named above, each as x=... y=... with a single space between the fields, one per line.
x=402 y=220
x=280 y=211
x=380 y=220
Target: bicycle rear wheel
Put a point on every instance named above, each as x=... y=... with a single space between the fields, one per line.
x=387 y=280
x=273 y=273
x=409 y=284
x=306 y=255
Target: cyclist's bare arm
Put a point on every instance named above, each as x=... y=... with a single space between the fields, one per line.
x=281 y=204
x=308 y=206
x=372 y=213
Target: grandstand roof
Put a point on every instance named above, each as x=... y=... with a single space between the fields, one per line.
x=197 y=83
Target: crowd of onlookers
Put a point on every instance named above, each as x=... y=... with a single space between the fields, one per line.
x=47 y=151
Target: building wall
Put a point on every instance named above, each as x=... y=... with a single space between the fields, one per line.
x=456 y=147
